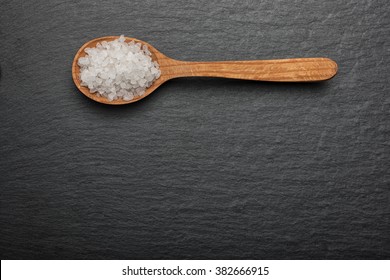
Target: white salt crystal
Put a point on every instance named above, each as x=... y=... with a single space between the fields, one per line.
x=117 y=69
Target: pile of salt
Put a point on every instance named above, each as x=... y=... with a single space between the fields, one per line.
x=117 y=69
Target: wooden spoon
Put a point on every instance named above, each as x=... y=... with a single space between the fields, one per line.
x=279 y=70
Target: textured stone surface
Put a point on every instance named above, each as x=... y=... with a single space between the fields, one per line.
x=203 y=168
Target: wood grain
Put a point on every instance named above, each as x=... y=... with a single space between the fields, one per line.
x=279 y=70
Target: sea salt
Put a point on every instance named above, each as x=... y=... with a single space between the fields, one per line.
x=118 y=70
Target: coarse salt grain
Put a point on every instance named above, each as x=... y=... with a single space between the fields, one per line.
x=118 y=70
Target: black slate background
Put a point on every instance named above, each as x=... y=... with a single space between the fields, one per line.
x=203 y=168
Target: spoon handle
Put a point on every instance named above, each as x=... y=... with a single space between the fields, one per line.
x=280 y=70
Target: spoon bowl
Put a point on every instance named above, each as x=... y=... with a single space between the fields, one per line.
x=156 y=56
x=277 y=70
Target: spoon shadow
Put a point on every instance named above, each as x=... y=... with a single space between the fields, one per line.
x=248 y=85
x=218 y=86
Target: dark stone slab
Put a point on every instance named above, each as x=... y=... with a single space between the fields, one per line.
x=203 y=168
